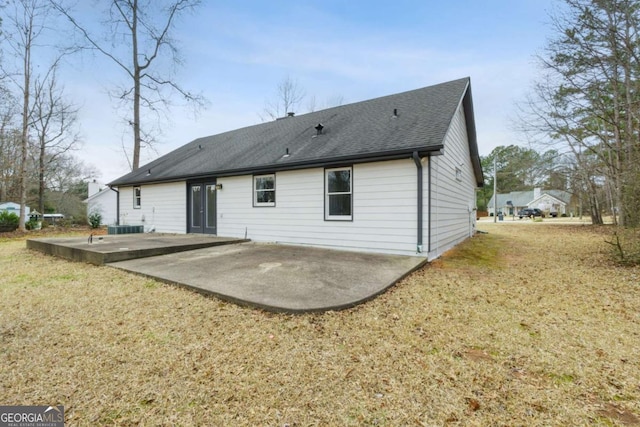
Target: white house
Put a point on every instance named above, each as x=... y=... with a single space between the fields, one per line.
x=549 y=201
x=395 y=174
x=103 y=200
x=15 y=208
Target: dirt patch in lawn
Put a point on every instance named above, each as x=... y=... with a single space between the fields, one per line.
x=526 y=325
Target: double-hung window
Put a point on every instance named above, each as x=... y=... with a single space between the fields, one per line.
x=338 y=185
x=264 y=190
x=137 y=198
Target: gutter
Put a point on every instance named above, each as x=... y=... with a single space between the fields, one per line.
x=276 y=167
x=117 y=204
x=430 y=210
x=416 y=159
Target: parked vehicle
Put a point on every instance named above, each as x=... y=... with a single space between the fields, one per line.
x=529 y=212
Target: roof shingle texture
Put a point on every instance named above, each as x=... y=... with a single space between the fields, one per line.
x=368 y=129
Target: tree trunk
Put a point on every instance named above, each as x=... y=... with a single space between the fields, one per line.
x=136 y=89
x=22 y=175
x=594 y=204
x=41 y=171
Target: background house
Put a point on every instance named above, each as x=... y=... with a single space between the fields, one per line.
x=395 y=174
x=15 y=208
x=548 y=201
x=103 y=200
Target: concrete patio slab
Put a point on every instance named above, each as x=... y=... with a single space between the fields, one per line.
x=279 y=278
x=120 y=247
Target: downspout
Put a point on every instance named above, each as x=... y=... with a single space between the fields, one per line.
x=416 y=159
x=117 y=204
x=429 y=204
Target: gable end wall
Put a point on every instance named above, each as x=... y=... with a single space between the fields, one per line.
x=453 y=197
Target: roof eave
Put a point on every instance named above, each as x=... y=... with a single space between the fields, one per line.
x=467 y=102
x=307 y=164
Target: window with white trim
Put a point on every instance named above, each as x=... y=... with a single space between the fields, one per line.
x=137 y=198
x=338 y=186
x=264 y=190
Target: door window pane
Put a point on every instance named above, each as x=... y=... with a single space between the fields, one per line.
x=211 y=206
x=196 y=206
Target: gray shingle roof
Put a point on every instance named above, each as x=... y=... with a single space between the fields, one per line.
x=563 y=196
x=517 y=198
x=355 y=132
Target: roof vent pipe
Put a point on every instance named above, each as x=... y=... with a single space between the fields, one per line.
x=291 y=114
x=395 y=113
x=319 y=129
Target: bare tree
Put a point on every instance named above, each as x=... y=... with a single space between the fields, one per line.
x=587 y=101
x=67 y=186
x=9 y=147
x=66 y=170
x=26 y=19
x=54 y=123
x=31 y=41
x=312 y=103
x=146 y=27
x=288 y=97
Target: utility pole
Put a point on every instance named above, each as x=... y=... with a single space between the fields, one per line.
x=495 y=189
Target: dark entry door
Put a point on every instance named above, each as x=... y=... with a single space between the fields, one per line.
x=202 y=207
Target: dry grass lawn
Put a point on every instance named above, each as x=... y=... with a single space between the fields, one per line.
x=527 y=325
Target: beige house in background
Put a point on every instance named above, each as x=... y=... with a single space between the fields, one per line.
x=551 y=202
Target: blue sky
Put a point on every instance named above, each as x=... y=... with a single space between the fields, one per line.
x=236 y=54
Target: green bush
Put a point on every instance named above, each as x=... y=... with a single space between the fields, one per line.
x=95 y=219
x=9 y=219
x=32 y=224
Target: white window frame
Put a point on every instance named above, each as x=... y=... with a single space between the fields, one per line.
x=327 y=194
x=256 y=191
x=137 y=197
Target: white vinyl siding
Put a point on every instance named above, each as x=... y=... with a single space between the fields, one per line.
x=384 y=209
x=163 y=209
x=453 y=191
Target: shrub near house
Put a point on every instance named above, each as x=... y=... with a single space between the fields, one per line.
x=8 y=221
